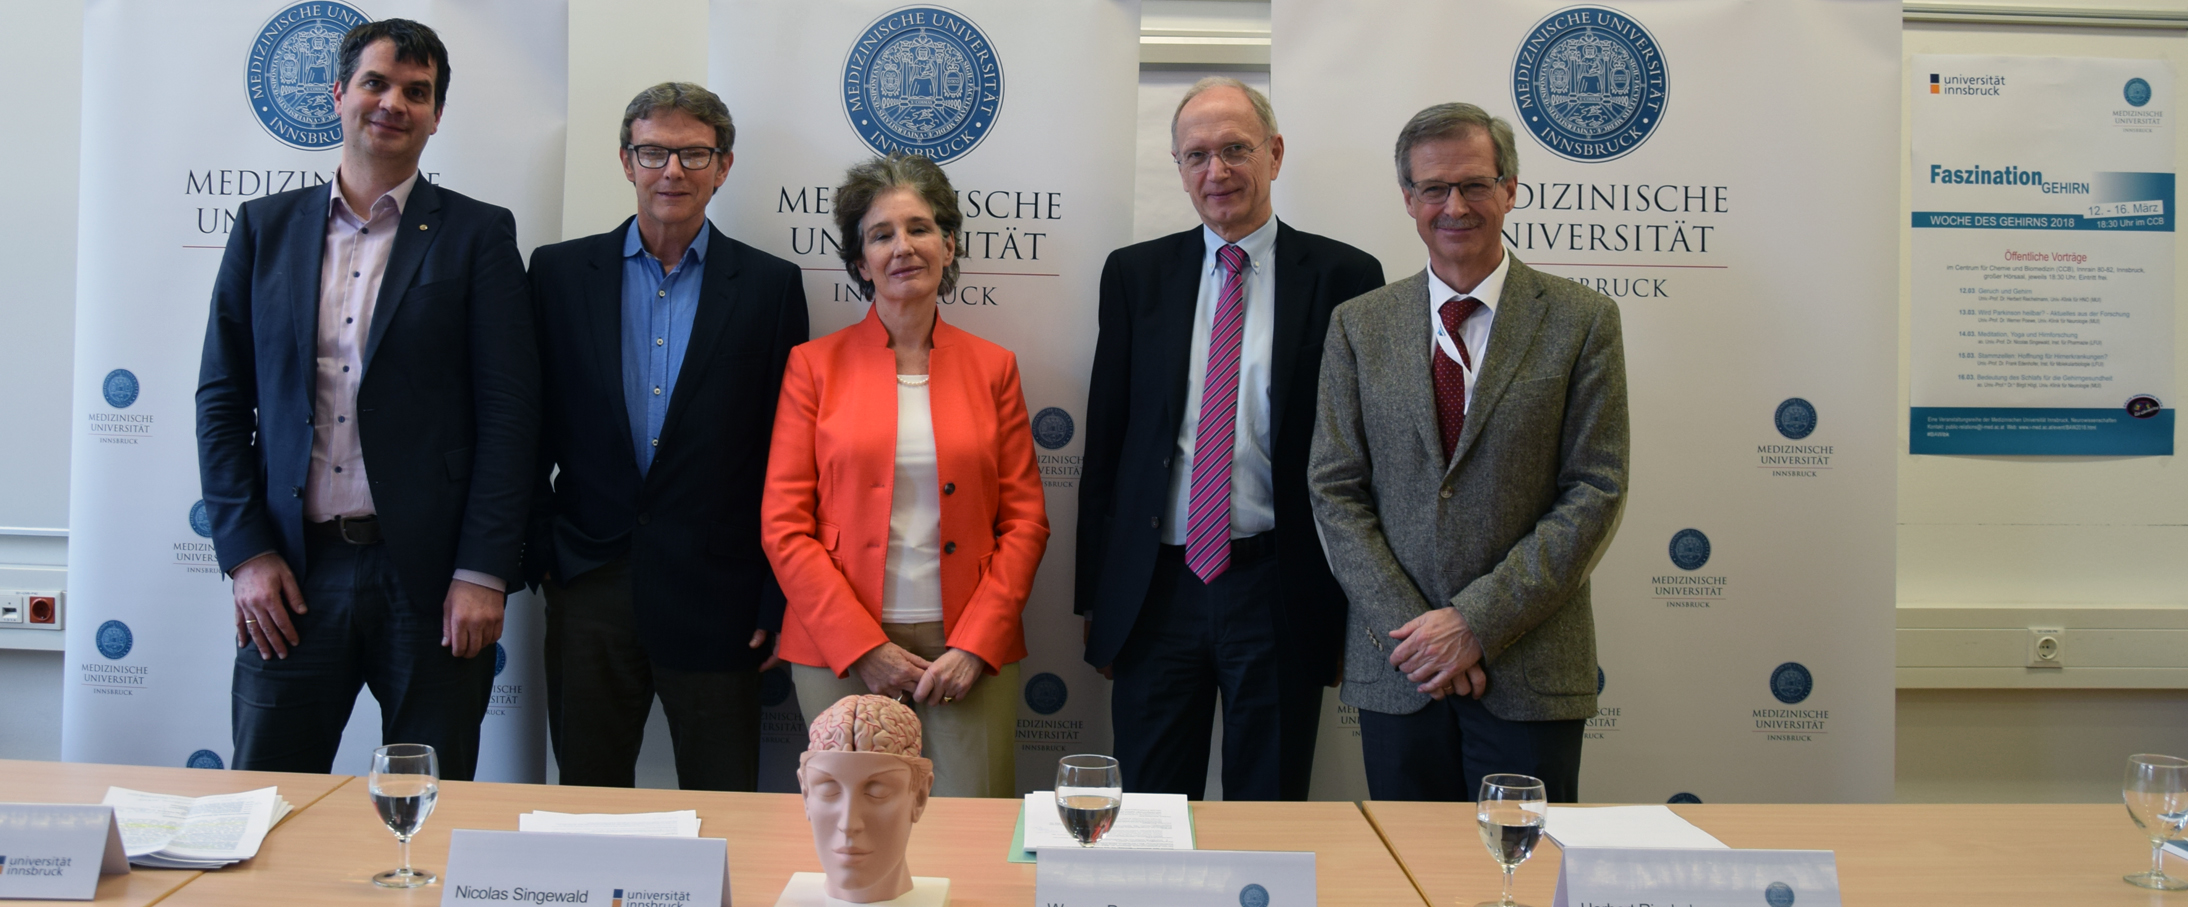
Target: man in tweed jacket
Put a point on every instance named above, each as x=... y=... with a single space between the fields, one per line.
x=1468 y=466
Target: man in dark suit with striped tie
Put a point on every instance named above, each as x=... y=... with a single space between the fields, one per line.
x=1199 y=572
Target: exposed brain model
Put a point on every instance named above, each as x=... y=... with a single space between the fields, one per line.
x=866 y=724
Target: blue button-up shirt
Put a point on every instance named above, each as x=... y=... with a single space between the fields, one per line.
x=657 y=312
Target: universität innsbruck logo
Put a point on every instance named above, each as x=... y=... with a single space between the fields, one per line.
x=1589 y=83
x=922 y=80
x=293 y=64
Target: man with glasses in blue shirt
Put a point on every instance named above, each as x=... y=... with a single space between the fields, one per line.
x=663 y=343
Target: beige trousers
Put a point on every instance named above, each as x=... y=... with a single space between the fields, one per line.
x=971 y=740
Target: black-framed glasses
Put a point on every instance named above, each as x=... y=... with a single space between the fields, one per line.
x=1235 y=154
x=1473 y=190
x=655 y=157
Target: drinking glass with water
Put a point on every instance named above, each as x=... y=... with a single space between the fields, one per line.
x=1513 y=811
x=2156 y=792
x=1089 y=793
x=405 y=780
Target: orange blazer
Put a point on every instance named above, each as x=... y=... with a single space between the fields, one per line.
x=830 y=474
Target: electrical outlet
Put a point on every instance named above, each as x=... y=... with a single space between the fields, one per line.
x=31 y=610
x=2047 y=647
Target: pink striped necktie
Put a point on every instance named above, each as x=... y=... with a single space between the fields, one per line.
x=1208 y=519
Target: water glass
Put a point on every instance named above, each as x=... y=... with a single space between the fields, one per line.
x=1512 y=812
x=1089 y=794
x=2156 y=792
x=405 y=780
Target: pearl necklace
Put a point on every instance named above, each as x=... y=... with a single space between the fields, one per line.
x=912 y=380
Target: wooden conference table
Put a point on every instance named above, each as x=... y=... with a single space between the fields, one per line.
x=327 y=851
x=1935 y=855
x=63 y=782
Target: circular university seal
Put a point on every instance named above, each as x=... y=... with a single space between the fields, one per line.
x=1588 y=83
x=204 y=759
x=1253 y=895
x=2141 y=406
x=776 y=687
x=200 y=521
x=922 y=80
x=119 y=388
x=501 y=659
x=1683 y=797
x=2137 y=92
x=114 y=640
x=1796 y=418
x=1791 y=682
x=1599 y=680
x=1689 y=549
x=295 y=58
x=1778 y=894
x=1046 y=693
x=1053 y=428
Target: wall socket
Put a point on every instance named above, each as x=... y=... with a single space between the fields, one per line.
x=2047 y=647
x=31 y=610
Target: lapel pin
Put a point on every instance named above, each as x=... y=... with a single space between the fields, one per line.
x=421 y=226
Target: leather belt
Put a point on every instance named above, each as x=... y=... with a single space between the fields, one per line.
x=347 y=530
x=1245 y=552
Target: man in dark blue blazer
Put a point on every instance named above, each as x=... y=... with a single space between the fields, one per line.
x=1199 y=571
x=368 y=411
x=664 y=342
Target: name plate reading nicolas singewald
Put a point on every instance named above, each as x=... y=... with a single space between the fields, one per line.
x=548 y=868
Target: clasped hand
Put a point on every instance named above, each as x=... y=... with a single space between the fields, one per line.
x=1439 y=653
x=891 y=670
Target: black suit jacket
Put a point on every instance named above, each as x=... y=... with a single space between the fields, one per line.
x=1136 y=400
x=447 y=408
x=691 y=524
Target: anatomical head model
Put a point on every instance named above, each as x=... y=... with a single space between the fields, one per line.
x=864 y=784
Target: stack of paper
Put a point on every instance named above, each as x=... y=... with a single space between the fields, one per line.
x=1147 y=822
x=161 y=831
x=680 y=824
x=1625 y=826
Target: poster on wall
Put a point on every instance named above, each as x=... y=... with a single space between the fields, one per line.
x=2042 y=261
x=1717 y=169
x=1030 y=110
x=190 y=110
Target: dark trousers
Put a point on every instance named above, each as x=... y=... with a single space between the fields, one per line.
x=360 y=629
x=1192 y=644
x=600 y=690
x=1442 y=752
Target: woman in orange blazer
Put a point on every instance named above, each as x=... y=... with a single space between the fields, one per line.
x=904 y=513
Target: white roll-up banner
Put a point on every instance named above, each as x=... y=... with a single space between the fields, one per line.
x=1029 y=107
x=190 y=110
x=1726 y=171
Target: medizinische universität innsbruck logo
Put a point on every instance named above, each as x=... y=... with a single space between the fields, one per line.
x=294 y=60
x=1589 y=83
x=922 y=80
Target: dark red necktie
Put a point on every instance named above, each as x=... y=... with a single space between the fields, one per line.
x=1450 y=379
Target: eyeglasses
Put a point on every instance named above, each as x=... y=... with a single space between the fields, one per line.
x=1235 y=154
x=1474 y=190
x=655 y=157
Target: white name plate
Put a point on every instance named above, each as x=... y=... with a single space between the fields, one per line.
x=1081 y=877
x=1633 y=877
x=546 y=868
x=53 y=851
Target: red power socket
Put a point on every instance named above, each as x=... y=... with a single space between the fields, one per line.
x=42 y=609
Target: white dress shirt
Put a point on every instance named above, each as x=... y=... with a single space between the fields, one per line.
x=911 y=581
x=1253 y=492
x=1474 y=331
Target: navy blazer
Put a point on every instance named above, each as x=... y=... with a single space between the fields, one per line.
x=700 y=584
x=1136 y=400
x=447 y=408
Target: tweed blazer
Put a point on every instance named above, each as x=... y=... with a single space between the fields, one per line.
x=1507 y=531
